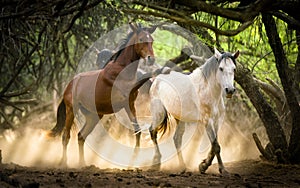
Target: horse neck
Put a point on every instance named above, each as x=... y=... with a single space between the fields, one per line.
x=127 y=56
x=214 y=88
x=125 y=63
x=206 y=86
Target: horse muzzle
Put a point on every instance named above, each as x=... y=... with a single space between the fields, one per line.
x=150 y=60
x=229 y=92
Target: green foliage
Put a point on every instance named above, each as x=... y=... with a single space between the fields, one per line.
x=256 y=54
x=167 y=45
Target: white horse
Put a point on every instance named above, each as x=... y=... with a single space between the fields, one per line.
x=193 y=98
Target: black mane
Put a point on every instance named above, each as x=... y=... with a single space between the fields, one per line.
x=123 y=43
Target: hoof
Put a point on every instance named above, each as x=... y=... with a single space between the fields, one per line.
x=62 y=164
x=156 y=163
x=155 y=167
x=224 y=172
x=81 y=164
x=203 y=167
x=182 y=168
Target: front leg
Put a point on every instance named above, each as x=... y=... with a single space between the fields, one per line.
x=211 y=133
x=131 y=112
x=137 y=133
x=220 y=121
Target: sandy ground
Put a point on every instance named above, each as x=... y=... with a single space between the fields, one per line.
x=31 y=161
x=249 y=173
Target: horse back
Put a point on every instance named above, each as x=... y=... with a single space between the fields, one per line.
x=178 y=95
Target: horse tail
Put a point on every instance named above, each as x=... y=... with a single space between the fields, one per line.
x=163 y=127
x=61 y=119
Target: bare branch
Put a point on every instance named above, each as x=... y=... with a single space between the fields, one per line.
x=234 y=14
x=288 y=19
x=187 y=20
x=6 y=118
x=84 y=3
x=264 y=153
x=270 y=90
x=6 y=102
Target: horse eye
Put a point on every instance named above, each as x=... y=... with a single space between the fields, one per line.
x=221 y=69
x=141 y=40
x=234 y=70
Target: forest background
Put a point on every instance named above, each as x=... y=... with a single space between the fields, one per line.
x=43 y=41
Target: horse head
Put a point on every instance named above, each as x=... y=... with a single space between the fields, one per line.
x=142 y=41
x=225 y=72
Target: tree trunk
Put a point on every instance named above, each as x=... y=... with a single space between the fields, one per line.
x=287 y=84
x=264 y=110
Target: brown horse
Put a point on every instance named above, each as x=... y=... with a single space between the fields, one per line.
x=105 y=91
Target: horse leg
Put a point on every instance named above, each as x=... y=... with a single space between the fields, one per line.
x=217 y=149
x=131 y=112
x=177 y=138
x=66 y=133
x=90 y=121
x=157 y=156
x=137 y=133
x=214 y=147
x=159 y=116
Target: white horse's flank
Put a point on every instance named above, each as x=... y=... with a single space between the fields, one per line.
x=193 y=98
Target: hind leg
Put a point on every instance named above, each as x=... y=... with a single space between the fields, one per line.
x=157 y=156
x=66 y=133
x=159 y=114
x=90 y=121
x=177 y=138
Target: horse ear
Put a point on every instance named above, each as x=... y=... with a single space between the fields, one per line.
x=133 y=27
x=151 y=29
x=217 y=53
x=236 y=54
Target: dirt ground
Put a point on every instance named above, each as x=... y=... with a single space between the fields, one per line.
x=249 y=173
x=30 y=161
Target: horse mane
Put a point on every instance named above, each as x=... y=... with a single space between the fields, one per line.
x=210 y=66
x=123 y=43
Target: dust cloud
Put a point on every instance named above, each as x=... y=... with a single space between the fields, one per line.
x=111 y=145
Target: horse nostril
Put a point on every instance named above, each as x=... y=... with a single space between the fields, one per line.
x=229 y=91
x=150 y=59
